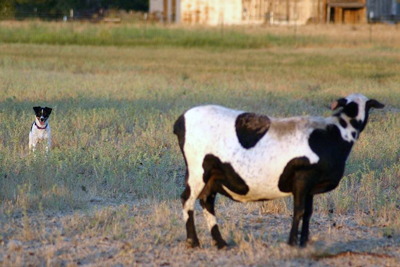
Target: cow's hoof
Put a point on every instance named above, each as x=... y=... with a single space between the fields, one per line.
x=193 y=243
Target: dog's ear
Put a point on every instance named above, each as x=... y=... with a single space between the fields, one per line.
x=37 y=109
x=48 y=110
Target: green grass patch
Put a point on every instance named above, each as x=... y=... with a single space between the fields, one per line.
x=148 y=35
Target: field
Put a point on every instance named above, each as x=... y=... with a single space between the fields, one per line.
x=108 y=193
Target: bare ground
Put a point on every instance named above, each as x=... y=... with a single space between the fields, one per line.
x=153 y=234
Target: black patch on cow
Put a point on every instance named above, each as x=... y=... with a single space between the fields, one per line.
x=180 y=132
x=286 y=179
x=216 y=235
x=185 y=194
x=262 y=199
x=342 y=122
x=357 y=124
x=332 y=151
x=351 y=110
x=219 y=174
x=250 y=128
x=341 y=102
x=354 y=134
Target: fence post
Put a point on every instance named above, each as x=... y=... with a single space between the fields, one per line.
x=271 y=18
x=222 y=28
x=371 y=15
x=145 y=24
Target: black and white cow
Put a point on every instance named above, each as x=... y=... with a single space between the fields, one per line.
x=251 y=157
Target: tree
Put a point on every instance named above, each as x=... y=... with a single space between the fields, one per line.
x=139 y=5
x=6 y=8
x=52 y=9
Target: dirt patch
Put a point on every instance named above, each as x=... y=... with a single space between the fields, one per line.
x=153 y=234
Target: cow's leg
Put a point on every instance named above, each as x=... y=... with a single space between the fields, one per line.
x=306 y=220
x=207 y=201
x=299 y=199
x=188 y=198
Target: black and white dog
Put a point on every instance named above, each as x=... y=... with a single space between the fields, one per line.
x=40 y=130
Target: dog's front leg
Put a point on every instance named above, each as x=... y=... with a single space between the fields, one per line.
x=48 y=145
x=33 y=148
x=32 y=145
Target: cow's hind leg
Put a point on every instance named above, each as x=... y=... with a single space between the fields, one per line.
x=188 y=198
x=207 y=201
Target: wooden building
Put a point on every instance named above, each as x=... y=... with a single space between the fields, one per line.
x=346 y=11
x=216 y=12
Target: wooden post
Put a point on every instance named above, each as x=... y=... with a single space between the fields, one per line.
x=222 y=27
x=287 y=11
x=295 y=19
x=165 y=11
x=328 y=14
x=145 y=24
x=371 y=15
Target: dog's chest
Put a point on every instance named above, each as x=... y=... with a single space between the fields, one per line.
x=38 y=134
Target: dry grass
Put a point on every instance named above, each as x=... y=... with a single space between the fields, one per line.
x=139 y=234
x=108 y=192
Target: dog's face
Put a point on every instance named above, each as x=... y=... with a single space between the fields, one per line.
x=42 y=115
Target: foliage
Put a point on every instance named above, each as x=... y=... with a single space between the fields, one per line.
x=52 y=9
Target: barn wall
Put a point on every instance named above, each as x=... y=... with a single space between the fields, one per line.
x=211 y=12
x=216 y=12
x=282 y=11
x=156 y=6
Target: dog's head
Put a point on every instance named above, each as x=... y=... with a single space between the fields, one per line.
x=42 y=115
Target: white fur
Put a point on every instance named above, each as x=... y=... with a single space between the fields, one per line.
x=37 y=135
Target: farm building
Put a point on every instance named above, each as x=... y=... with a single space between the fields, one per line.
x=346 y=11
x=215 y=12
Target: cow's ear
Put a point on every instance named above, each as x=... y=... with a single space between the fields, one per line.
x=341 y=102
x=372 y=103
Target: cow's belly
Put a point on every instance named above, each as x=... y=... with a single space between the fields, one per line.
x=263 y=186
x=262 y=169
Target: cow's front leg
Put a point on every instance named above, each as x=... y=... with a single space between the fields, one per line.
x=299 y=200
x=306 y=220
